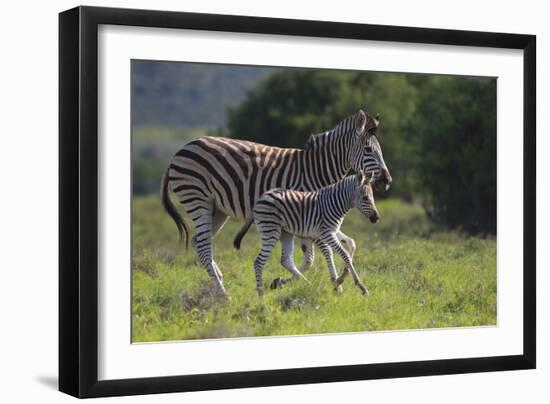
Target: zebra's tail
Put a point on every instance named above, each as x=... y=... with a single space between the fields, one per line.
x=172 y=211
x=241 y=233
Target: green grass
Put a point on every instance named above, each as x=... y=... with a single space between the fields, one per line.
x=418 y=277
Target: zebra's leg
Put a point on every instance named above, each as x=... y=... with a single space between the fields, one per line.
x=327 y=253
x=347 y=242
x=334 y=243
x=287 y=260
x=307 y=248
x=202 y=242
x=218 y=220
x=269 y=239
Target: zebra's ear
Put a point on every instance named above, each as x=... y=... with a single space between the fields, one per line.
x=360 y=121
x=311 y=141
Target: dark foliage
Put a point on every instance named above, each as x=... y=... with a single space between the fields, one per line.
x=456 y=133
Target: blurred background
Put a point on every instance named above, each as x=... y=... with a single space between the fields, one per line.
x=438 y=133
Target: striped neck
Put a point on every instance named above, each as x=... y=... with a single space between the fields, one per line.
x=341 y=196
x=326 y=160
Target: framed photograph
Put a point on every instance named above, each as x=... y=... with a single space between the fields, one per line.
x=252 y=201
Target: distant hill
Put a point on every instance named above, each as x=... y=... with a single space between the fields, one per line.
x=189 y=94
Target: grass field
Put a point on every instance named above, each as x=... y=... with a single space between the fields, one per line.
x=418 y=277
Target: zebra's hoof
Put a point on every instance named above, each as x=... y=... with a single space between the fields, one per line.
x=338 y=289
x=277 y=283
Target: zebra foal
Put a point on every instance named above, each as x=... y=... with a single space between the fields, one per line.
x=282 y=214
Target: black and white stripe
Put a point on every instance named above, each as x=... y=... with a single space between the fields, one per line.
x=282 y=214
x=216 y=178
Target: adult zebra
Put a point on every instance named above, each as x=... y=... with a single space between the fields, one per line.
x=215 y=178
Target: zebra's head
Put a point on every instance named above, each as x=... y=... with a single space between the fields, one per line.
x=366 y=152
x=364 y=200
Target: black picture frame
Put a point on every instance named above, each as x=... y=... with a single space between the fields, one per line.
x=78 y=201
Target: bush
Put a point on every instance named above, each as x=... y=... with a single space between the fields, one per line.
x=455 y=130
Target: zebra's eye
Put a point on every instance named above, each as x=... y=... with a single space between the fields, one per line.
x=372 y=131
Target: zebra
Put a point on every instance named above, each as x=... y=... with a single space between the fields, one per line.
x=215 y=178
x=317 y=215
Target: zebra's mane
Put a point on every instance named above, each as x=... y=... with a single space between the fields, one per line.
x=313 y=139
